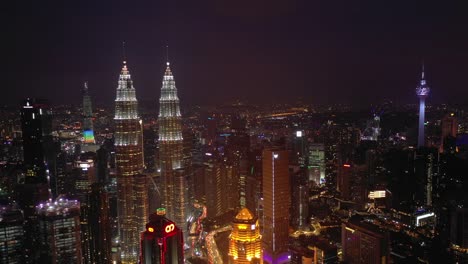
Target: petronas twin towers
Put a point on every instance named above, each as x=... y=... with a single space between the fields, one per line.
x=132 y=184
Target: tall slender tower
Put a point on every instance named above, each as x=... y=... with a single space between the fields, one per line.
x=276 y=204
x=422 y=91
x=88 y=131
x=129 y=163
x=170 y=150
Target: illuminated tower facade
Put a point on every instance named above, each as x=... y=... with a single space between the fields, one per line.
x=129 y=163
x=88 y=131
x=162 y=242
x=276 y=203
x=422 y=91
x=245 y=241
x=170 y=150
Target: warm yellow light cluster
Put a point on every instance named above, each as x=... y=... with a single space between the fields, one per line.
x=245 y=240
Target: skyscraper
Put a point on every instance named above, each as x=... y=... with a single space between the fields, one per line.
x=449 y=127
x=88 y=130
x=32 y=123
x=422 y=91
x=170 y=149
x=129 y=163
x=316 y=163
x=276 y=203
x=99 y=225
x=59 y=231
x=162 y=241
x=11 y=235
x=245 y=240
x=36 y=128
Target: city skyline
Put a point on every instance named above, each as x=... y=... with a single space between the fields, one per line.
x=293 y=135
x=320 y=52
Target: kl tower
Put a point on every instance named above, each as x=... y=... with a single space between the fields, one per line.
x=422 y=91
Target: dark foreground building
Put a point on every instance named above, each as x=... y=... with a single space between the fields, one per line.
x=162 y=242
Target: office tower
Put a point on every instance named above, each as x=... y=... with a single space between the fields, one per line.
x=88 y=129
x=213 y=188
x=83 y=175
x=449 y=127
x=299 y=148
x=162 y=241
x=102 y=168
x=32 y=124
x=99 y=224
x=422 y=91
x=129 y=163
x=11 y=235
x=316 y=163
x=59 y=231
x=300 y=212
x=276 y=205
x=426 y=171
x=170 y=147
x=211 y=124
x=363 y=242
x=352 y=183
x=245 y=240
x=36 y=127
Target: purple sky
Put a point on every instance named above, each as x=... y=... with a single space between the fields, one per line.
x=261 y=50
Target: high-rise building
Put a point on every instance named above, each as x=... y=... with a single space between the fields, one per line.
x=276 y=205
x=99 y=224
x=83 y=175
x=364 y=243
x=449 y=127
x=32 y=124
x=422 y=91
x=171 y=149
x=162 y=241
x=351 y=183
x=89 y=142
x=59 y=231
x=426 y=173
x=36 y=129
x=245 y=241
x=299 y=148
x=88 y=129
x=11 y=235
x=129 y=164
x=316 y=163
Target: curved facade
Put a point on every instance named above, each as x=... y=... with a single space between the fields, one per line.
x=245 y=244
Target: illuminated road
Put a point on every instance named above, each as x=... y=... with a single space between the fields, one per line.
x=214 y=257
x=195 y=231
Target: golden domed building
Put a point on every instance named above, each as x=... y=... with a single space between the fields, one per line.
x=245 y=240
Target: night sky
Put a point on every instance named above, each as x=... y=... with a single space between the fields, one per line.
x=220 y=51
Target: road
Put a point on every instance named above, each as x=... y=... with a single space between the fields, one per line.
x=214 y=257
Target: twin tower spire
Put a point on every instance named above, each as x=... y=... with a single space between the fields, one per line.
x=133 y=199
